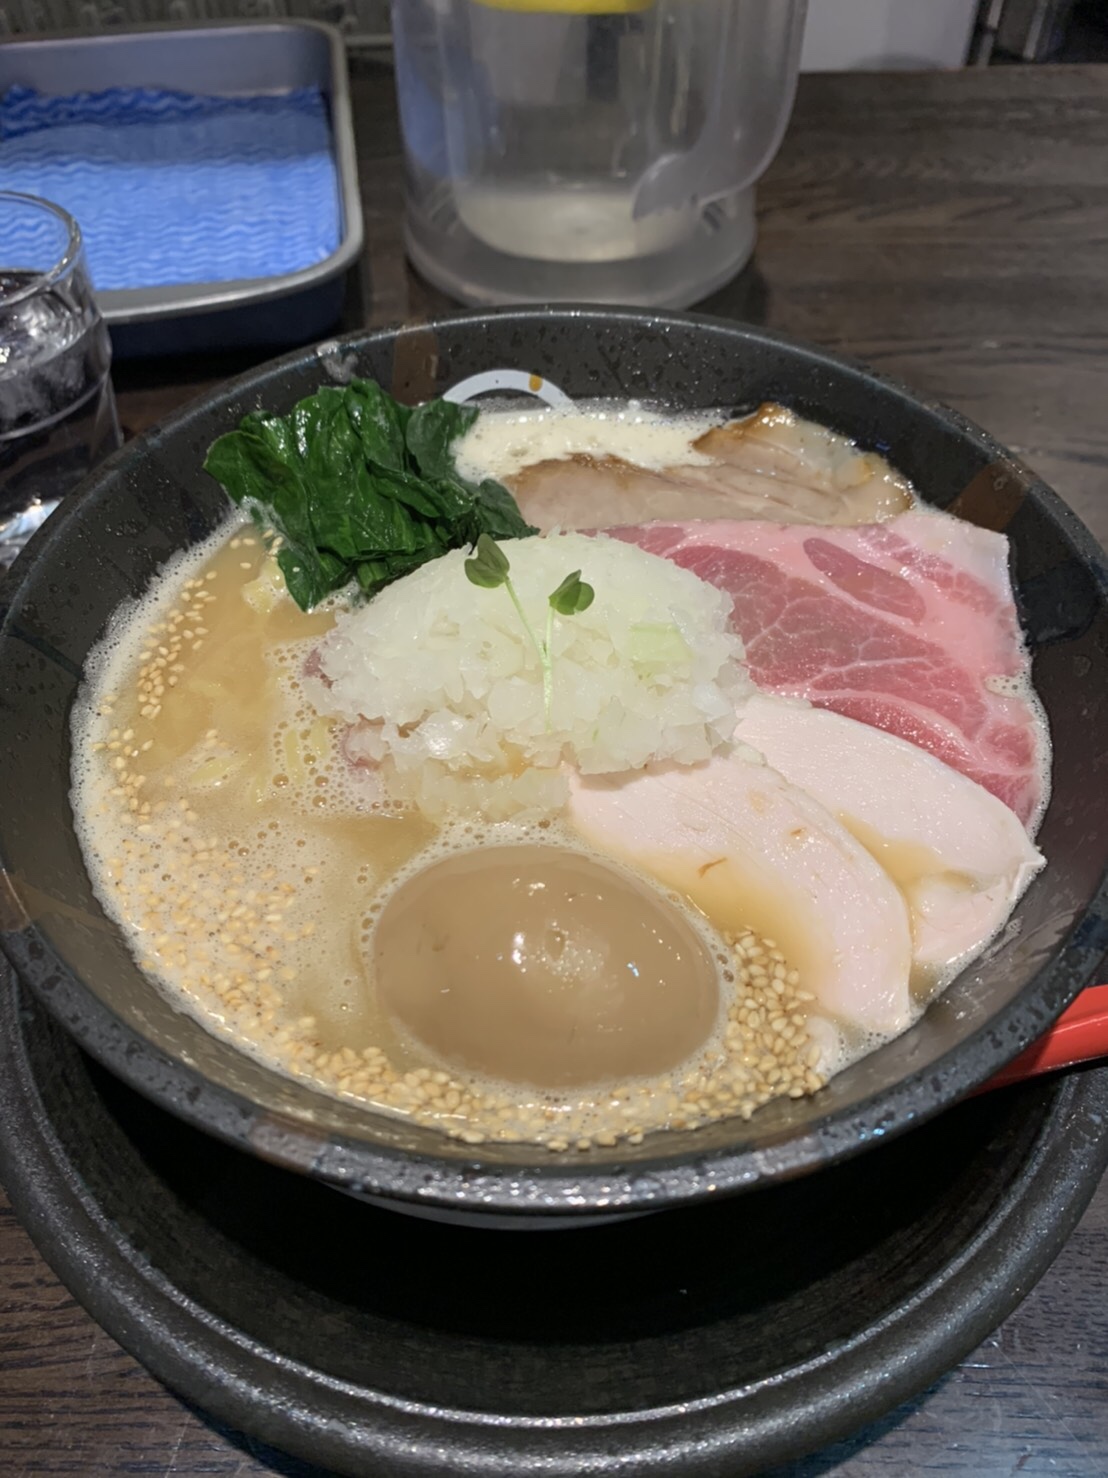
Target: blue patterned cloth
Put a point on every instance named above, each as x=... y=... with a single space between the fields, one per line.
x=170 y=188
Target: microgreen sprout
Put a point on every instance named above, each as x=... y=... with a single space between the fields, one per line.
x=489 y=567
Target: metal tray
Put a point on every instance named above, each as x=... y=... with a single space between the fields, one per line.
x=229 y=60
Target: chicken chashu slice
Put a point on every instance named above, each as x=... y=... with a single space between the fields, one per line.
x=772 y=465
x=960 y=856
x=753 y=851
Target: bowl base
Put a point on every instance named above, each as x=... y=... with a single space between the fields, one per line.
x=719 y=1338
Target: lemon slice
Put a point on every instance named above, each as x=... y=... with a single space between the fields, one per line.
x=570 y=7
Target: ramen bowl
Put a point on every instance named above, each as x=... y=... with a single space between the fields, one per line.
x=109 y=541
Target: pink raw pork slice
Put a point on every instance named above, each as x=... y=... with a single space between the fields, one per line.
x=907 y=625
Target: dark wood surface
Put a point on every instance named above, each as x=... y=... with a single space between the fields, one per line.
x=951 y=228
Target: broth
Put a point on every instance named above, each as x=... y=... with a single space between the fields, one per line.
x=248 y=862
x=236 y=834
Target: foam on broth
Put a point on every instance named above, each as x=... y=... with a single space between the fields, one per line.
x=247 y=863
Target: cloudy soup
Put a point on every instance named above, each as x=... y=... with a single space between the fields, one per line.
x=672 y=807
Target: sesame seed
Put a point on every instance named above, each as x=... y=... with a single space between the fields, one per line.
x=232 y=934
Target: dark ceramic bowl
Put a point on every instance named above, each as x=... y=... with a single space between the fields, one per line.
x=109 y=540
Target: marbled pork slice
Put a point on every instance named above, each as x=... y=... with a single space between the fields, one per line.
x=907 y=625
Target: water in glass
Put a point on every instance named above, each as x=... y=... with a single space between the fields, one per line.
x=57 y=411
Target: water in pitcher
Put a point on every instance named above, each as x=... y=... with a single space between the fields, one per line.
x=603 y=150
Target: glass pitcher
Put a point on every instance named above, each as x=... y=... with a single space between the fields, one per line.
x=589 y=150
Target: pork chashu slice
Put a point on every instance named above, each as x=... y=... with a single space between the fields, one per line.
x=771 y=465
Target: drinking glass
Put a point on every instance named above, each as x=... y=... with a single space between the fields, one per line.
x=57 y=411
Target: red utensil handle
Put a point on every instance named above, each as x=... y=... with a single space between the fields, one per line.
x=1079 y=1035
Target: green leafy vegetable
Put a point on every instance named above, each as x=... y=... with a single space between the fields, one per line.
x=572 y=596
x=432 y=430
x=489 y=567
x=360 y=488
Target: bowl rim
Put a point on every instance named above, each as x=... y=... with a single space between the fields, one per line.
x=555 y=1186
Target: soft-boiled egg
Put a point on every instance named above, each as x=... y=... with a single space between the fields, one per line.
x=537 y=964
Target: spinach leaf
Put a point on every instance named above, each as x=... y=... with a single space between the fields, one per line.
x=432 y=430
x=380 y=421
x=359 y=488
x=499 y=513
x=310 y=575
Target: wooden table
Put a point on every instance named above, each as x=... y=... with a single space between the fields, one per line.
x=953 y=230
